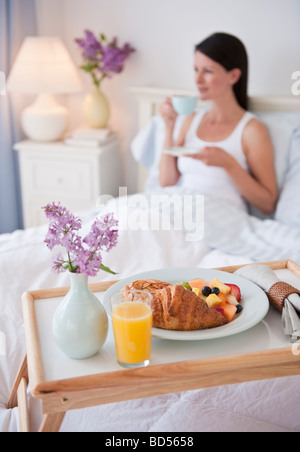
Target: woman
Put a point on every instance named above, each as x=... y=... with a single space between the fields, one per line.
x=235 y=160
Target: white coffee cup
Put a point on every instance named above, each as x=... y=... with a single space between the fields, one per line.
x=184 y=105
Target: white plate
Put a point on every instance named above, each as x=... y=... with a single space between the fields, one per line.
x=254 y=301
x=178 y=151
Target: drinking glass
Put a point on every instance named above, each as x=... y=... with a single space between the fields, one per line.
x=131 y=315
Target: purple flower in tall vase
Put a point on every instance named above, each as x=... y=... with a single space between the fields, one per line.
x=80 y=322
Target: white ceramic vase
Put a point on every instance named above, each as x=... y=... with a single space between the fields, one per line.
x=96 y=109
x=80 y=323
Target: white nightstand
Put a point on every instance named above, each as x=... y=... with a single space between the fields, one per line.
x=74 y=176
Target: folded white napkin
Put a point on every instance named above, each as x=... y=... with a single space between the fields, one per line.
x=288 y=304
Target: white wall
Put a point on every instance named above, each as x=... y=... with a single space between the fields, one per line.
x=164 y=33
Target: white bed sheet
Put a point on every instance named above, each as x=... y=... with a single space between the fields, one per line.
x=259 y=406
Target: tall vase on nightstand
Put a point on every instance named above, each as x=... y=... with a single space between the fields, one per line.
x=80 y=323
x=96 y=108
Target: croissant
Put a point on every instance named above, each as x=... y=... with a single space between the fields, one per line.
x=176 y=308
x=151 y=285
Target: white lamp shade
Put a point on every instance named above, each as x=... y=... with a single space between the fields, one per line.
x=44 y=65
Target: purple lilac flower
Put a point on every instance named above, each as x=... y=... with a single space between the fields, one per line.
x=90 y=45
x=63 y=227
x=83 y=256
x=54 y=211
x=58 y=263
x=59 y=215
x=88 y=262
x=114 y=57
x=104 y=234
x=112 y=60
x=101 y=58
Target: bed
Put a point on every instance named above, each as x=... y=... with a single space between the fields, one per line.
x=243 y=238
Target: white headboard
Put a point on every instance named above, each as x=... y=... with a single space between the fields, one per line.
x=149 y=98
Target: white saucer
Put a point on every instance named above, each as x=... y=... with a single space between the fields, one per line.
x=178 y=151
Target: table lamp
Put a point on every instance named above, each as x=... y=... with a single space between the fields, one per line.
x=44 y=67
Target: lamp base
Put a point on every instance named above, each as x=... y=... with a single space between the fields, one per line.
x=45 y=119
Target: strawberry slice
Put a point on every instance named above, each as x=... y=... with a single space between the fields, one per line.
x=236 y=291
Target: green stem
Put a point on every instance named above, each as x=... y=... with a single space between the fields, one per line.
x=103 y=76
x=95 y=80
x=70 y=263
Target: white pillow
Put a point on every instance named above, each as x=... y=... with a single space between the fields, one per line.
x=288 y=207
x=281 y=126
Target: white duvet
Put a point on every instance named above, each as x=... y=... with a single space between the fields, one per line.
x=258 y=406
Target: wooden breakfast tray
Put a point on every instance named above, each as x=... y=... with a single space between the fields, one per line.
x=59 y=396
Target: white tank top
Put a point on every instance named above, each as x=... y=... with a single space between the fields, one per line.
x=213 y=180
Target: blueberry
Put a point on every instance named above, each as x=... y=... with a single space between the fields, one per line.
x=239 y=309
x=206 y=291
x=215 y=290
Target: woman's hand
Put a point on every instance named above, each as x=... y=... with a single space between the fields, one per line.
x=168 y=171
x=214 y=156
x=167 y=112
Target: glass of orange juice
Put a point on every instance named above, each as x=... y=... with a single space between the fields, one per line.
x=131 y=315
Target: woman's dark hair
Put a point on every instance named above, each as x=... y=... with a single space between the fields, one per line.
x=230 y=52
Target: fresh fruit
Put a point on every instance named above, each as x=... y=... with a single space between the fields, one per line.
x=198 y=283
x=218 y=309
x=186 y=285
x=221 y=286
x=223 y=297
x=206 y=291
x=236 y=291
x=229 y=310
x=198 y=292
x=213 y=300
x=232 y=300
x=239 y=309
